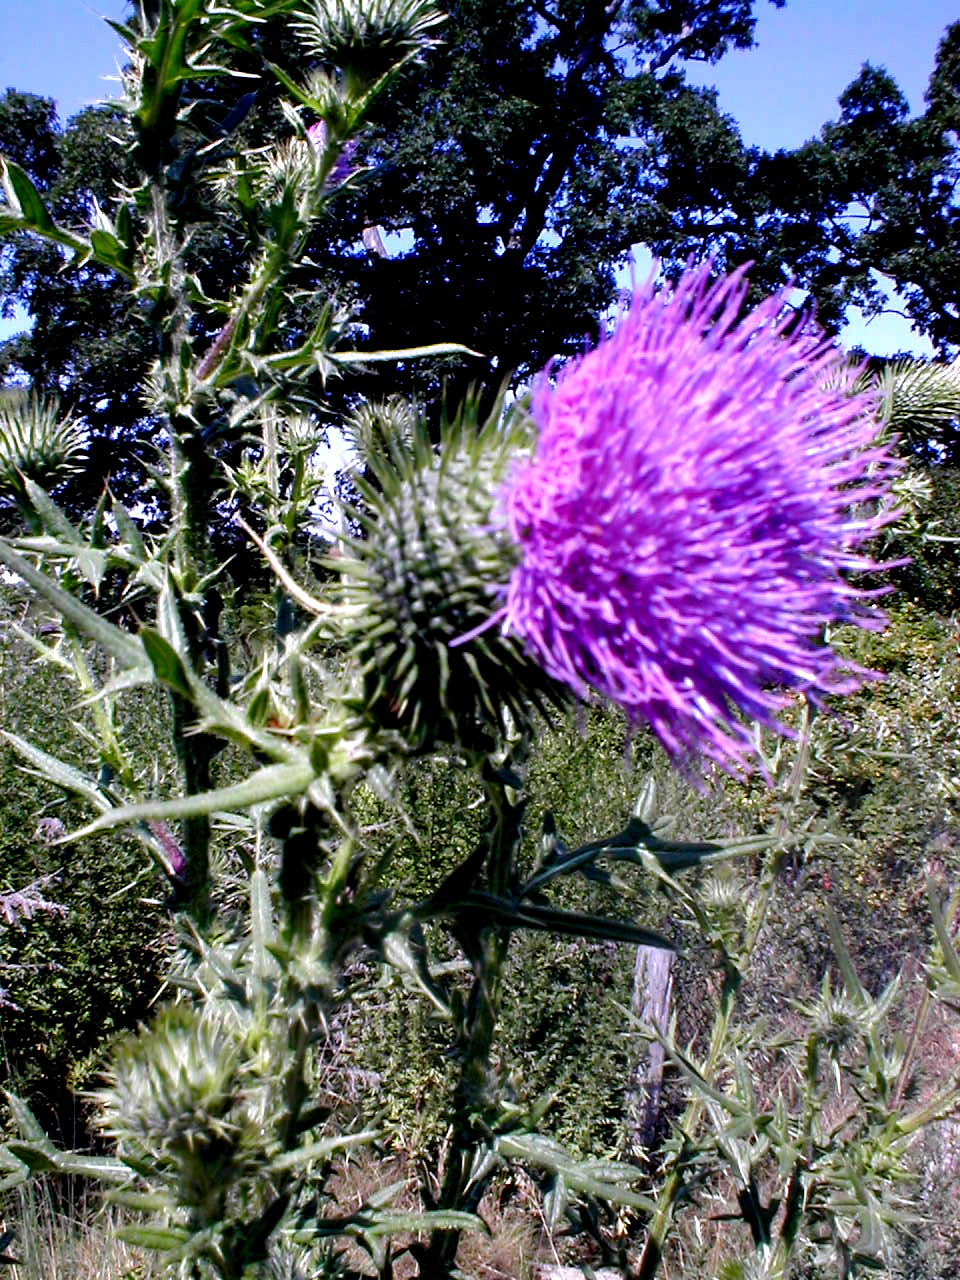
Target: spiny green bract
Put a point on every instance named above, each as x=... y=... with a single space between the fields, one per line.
x=35 y=441
x=170 y=1091
x=429 y=569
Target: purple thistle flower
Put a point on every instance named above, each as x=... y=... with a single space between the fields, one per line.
x=686 y=525
x=343 y=166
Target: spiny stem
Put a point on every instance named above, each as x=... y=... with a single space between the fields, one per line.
x=489 y=946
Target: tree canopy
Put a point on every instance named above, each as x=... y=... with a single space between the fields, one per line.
x=508 y=177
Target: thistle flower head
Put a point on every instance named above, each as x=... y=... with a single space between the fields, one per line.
x=35 y=441
x=170 y=1093
x=431 y=570
x=690 y=517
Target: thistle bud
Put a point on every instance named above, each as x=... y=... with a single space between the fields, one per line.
x=169 y=1097
x=36 y=442
x=430 y=570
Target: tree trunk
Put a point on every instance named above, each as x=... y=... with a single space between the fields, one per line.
x=650 y=1003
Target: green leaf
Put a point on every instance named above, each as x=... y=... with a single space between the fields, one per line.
x=27 y=211
x=274 y=782
x=38 y=1157
x=129 y=531
x=155 y=1236
x=571 y=924
x=401 y=953
x=390 y=1222
x=851 y=981
x=140 y=1201
x=118 y=644
x=262 y=931
x=57 y=771
x=103 y=1168
x=19 y=186
x=167 y=664
x=951 y=960
x=27 y=1124
x=638 y=844
x=18 y=1174
x=107 y=249
x=321 y=1150
x=54 y=520
x=608 y=1181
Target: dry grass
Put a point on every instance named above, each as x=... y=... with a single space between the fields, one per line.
x=70 y=1240
x=514 y=1242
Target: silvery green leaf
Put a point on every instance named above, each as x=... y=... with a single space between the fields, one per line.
x=315 y=1151
x=555 y=1203
x=129 y=531
x=92 y=561
x=391 y=1222
x=54 y=520
x=27 y=1124
x=139 y=1201
x=546 y=1153
x=262 y=930
x=156 y=1236
x=103 y=1168
x=118 y=644
x=410 y=960
x=57 y=771
x=646 y=807
x=274 y=782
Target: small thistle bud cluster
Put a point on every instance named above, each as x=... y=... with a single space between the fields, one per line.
x=428 y=571
x=168 y=1098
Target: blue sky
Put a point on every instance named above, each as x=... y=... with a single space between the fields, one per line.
x=780 y=92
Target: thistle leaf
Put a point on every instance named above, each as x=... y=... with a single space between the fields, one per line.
x=57 y=771
x=167 y=664
x=118 y=644
x=271 y=783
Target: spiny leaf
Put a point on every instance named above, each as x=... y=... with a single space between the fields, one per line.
x=314 y=1151
x=271 y=783
x=155 y=1236
x=118 y=644
x=28 y=1126
x=167 y=664
x=571 y=924
x=57 y=771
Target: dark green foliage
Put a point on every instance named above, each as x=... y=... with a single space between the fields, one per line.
x=502 y=162
x=931 y=578
x=78 y=978
x=899 y=172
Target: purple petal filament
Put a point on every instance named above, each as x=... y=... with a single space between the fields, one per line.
x=343 y=167
x=701 y=483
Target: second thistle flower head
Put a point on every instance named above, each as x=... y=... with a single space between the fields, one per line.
x=700 y=486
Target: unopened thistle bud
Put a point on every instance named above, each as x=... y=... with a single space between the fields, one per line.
x=430 y=571
x=36 y=442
